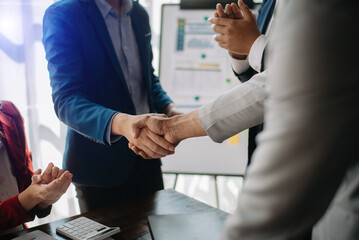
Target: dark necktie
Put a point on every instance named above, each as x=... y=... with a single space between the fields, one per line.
x=265 y=13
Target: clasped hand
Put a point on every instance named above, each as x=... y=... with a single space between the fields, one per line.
x=171 y=130
x=160 y=126
x=145 y=133
x=237 y=28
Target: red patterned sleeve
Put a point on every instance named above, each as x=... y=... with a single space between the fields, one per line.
x=12 y=214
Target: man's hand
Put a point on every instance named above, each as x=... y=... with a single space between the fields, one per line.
x=231 y=11
x=173 y=129
x=154 y=145
x=237 y=35
x=151 y=144
x=50 y=174
x=42 y=194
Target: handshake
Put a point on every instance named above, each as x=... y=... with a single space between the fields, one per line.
x=156 y=135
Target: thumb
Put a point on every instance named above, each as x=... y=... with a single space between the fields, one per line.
x=138 y=125
x=36 y=178
x=247 y=13
x=38 y=171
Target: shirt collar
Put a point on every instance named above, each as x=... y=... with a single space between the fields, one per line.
x=105 y=8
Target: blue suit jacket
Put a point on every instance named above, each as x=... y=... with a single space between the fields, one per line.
x=88 y=87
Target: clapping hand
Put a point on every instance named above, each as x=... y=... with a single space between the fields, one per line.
x=237 y=28
x=45 y=189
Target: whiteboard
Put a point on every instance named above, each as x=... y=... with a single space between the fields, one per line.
x=193 y=71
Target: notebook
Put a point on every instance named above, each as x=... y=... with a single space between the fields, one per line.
x=38 y=235
x=193 y=226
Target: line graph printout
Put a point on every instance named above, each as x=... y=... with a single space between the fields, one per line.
x=194 y=69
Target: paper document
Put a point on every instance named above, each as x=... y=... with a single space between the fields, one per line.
x=35 y=235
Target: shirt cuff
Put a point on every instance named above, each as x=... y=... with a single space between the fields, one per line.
x=111 y=138
x=239 y=66
x=256 y=52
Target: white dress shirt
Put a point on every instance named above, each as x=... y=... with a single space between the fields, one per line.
x=255 y=55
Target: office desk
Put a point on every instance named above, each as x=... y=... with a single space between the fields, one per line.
x=131 y=216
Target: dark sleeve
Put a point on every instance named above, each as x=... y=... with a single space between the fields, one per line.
x=41 y=213
x=245 y=76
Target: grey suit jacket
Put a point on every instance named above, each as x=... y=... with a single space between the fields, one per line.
x=305 y=171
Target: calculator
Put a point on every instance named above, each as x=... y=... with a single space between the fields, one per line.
x=84 y=228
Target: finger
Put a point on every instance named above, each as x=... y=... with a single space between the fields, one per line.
x=138 y=124
x=216 y=15
x=59 y=182
x=150 y=154
x=144 y=155
x=229 y=11
x=224 y=22
x=60 y=173
x=236 y=11
x=220 y=39
x=247 y=13
x=161 y=142
x=219 y=29
x=159 y=115
x=67 y=183
x=55 y=171
x=47 y=173
x=220 y=11
x=134 y=148
x=36 y=178
x=38 y=171
x=49 y=168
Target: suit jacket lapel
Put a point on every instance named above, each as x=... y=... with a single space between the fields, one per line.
x=98 y=22
x=140 y=31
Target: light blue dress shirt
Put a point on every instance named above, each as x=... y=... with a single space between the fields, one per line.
x=125 y=45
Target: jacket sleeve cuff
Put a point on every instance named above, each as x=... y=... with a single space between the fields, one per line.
x=256 y=52
x=109 y=139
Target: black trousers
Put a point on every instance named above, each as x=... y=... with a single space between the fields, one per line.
x=252 y=145
x=145 y=179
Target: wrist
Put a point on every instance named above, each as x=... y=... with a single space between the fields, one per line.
x=238 y=56
x=121 y=124
x=43 y=205
x=29 y=198
x=186 y=126
x=171 y=110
